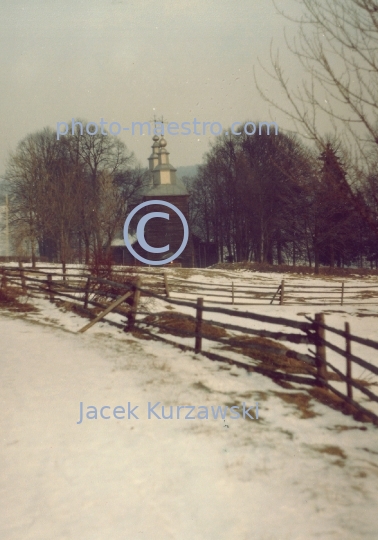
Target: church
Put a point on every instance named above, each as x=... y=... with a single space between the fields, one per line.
x=163 y=185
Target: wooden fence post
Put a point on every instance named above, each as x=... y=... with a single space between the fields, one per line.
x=49 y=284
x=131 y=316
x=198 y=330
x=320 y=349
x=86 y=296
x=166 y=285
x=22 y=276
x=275 y=294
x=348 y=350
x=232 y=293
x=282 y=292
x=105 y=312
x=342 y=293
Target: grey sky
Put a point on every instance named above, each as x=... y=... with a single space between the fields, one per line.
x=125 y=61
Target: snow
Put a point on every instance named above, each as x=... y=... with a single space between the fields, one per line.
x=362 y=313
x=276 y=478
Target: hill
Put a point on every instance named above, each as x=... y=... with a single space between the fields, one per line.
x=189 y=170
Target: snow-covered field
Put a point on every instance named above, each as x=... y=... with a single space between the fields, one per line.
x=360 y=310
x=277 y=477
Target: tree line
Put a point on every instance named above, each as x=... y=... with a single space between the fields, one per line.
x=267 y=198
x=272 y=199
x=275 y=200
x=68 y=198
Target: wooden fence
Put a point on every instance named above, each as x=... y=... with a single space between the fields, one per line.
x=87 y=290
x=285 y=293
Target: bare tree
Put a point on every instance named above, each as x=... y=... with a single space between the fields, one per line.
x=249 y=197
x=337 y=49
x=101 y=156
x=70 y=192
x=27 y=180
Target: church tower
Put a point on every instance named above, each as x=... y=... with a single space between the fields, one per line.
x=165 y=186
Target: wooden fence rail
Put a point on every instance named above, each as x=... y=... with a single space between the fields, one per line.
x=312 y=331
x=288 y=293
x=242 y=294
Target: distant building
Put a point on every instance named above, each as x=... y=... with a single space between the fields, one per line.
x=5 y=249
x=165 y=186
x=12 y=245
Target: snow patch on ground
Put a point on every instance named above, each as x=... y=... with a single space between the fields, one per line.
x=276 y=478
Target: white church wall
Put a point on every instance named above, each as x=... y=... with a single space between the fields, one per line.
x=3 y=238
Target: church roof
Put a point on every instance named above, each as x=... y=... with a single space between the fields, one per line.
x=161 y=190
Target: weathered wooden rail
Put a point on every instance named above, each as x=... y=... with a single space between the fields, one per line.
x=109 y=295
x=286 y=293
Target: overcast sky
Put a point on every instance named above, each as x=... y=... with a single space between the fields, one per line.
x=126 y=61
